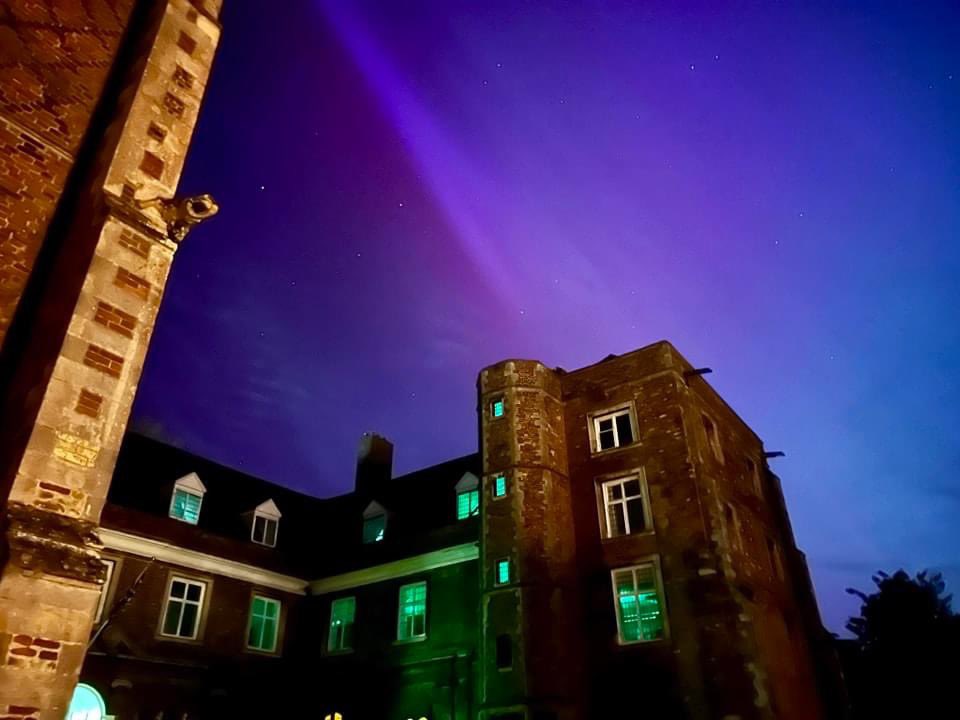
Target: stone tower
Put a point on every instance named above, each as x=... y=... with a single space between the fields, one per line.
x=98 y=103
x=529 y=667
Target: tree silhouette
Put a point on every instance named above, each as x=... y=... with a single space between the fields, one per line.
x=905 y=659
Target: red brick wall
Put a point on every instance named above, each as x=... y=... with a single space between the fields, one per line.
x=54 y=60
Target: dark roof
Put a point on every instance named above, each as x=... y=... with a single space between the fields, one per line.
x=316 y=536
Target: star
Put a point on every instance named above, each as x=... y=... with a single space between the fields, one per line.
x=692 y=66
x=401 y=204
x=262 y=187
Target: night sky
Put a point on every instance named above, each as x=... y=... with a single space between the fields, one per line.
x=412 y=190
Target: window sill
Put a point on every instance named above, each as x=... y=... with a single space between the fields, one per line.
x=411 y=641
x=611 y=451
x=640 y=643
x=623 y=538
x=339 y=653
x=262 y=653
x=182 y=640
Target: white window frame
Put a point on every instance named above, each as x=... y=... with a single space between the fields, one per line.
x=604 y=505
x=652 y=561
x=268 y=512
x=401 y=618
x=276 y=635
x=105 y=588
x=201 y=603
x=337 y=650
x=612 y=414
x=191 y=485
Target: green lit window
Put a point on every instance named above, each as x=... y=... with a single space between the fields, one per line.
x=181 y=616
x=499 y=486
x=496 y=408
x=374 y=528
x=342 y=611
x=185 y=506
x=468 y=504
x=412 y=612
x=264 y=624
x=503 y=572
x=639 y=604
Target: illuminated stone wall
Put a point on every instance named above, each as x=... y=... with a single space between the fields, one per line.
x=90 y=252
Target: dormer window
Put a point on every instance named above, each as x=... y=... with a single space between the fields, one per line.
x=266 y=521
x=468 y=496
x=374 y=523
x=187 y=496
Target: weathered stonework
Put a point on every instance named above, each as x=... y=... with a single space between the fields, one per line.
x=83 y=265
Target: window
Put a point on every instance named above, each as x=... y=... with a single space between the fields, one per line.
x=266 y=521
x=187 y=496
x=613 y=430
x=503 y=572
x=504 y=652
x=333 y=716
x=468 y=504
x=713 y=438
x=105 y=589
x=733 y=527
x=639 y=605
x=264 y=530
x=181 y=615
x=625 y=507
x=499 y=486
x=342 y=612
x=753 y=476
x=412 y=612
x=374 y=528
x=468 y=496
x=497 y=408
x=774 y=554
x=264 y=624
x=374 y=523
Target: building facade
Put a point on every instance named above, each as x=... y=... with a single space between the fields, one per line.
x=98 y=101
x=617 y=544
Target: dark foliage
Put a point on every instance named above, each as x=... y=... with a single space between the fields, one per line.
x=905 y=659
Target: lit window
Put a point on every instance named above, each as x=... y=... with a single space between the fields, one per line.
x=412 y=612
x=713 y=438
x=639 y=604
x=496 y=408
x=264 y=624
x=187 y=496
x=333 y=716
x=266 y=521
x=342 y=612
x=499 y=486
x=374 y=528
x=181 y=615
x=105 y=588
x=625 y=508
x=468 y=504
x=503 y=572
x=613 y=430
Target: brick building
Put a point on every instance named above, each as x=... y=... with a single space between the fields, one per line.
x=98 y=101
x=618 y=543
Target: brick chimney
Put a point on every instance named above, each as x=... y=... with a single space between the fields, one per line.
x=374 y=463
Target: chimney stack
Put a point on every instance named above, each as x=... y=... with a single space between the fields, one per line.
x=374 y=463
